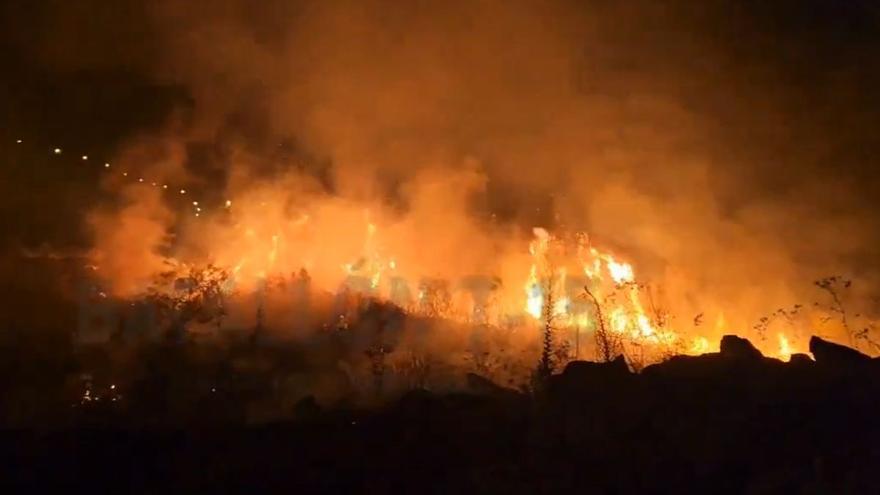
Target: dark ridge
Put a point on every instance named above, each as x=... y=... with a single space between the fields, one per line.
x=726 y=422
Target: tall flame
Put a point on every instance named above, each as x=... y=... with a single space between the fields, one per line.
x=784 y=348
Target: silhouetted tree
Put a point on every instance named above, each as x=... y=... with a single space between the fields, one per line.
x=187 y=293
x=609 y=345
x=546 y=363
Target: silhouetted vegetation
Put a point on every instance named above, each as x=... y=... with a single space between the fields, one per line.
x=727 y=422
x=353 y=407
x=609 y=344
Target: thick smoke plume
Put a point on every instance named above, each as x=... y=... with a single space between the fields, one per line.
x=723 y=166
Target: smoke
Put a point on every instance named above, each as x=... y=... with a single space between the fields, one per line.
x=719 y=155
x=129 y=240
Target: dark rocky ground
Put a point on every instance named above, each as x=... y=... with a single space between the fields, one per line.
x=731 y=422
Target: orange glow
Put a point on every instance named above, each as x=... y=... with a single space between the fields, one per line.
x=280 y=229
x=784 y=348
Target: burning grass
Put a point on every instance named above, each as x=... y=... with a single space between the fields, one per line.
x=385 y=334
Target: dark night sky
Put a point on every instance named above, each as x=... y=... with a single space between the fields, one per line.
x=786 y=91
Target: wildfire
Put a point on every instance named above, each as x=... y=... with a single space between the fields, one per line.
x=538 y=276
x=784 y=348
x=534 y=294
x=273 y=254
x=266 y=237
x=700 y=345
x=271 y=233
x=371 y=264
x=622 y=305
x=620 y=272
x=561 y=305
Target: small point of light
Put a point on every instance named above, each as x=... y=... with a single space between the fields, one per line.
x=57 y=151
x=18 y=141
x=195 y=203
x=164 y=186
x=153 y=184
x=140 y=179
x=106 y=165
x=213 y=389
x=198 y=209
x=85 y=157
x=125 y=174
x=228 y=203
x=197 y=214
x=183 y=191
x=112 y=387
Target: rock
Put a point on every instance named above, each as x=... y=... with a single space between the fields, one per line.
x=829 y=353
x=483 y=386
x=738 y=348
x=583 y=376
x=706 y=370
x=577 y=370
x=738 y=366
x=800 y=359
